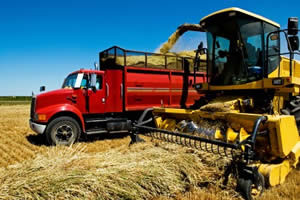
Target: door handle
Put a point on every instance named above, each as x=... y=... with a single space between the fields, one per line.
x=73 y=100
x=107 y=90
x=121 y=89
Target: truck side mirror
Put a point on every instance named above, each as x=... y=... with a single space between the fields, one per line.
x=93 y=81
x=42 y=88
x=293 y=26
x=294 y=41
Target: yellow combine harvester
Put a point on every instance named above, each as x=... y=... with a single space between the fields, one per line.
x=251 y=108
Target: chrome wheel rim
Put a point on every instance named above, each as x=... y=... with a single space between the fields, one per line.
x=64 y=133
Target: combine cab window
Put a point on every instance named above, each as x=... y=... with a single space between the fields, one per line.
x=222 y=46
x=235 y=51
x=251 y=33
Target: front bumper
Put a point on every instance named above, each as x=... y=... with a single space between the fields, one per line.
x=38 y=128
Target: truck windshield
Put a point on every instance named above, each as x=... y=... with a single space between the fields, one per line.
x=78 y=80
x=70 y=81
x=235 y=51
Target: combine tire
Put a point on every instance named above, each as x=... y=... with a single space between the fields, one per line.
x=63 y=131
x=294 y=109
x=251 y=188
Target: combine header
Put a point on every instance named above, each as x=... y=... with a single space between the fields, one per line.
x=251 y=109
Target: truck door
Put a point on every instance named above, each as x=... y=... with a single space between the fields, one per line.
x=78 y=97
x=96 y=97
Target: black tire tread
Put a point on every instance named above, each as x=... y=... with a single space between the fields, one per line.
x=59 y=120
x=294 y=109
x=244 y=185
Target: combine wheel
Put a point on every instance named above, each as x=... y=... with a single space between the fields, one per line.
x=251 y=187
x=63 y=131
x=294 y=109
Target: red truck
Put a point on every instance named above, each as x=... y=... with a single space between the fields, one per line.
x=110 y=99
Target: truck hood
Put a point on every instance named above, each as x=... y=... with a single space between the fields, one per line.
x=53 y=97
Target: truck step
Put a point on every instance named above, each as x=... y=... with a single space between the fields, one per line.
x=120 y=131
x=96 y=131
x=99 y=120
x=95 y=120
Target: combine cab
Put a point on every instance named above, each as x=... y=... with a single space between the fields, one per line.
x=251 y=108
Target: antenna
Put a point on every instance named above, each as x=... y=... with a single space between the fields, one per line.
x=96 y=66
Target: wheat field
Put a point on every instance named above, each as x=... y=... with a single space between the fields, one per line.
x=18 y=142
x=106 y=167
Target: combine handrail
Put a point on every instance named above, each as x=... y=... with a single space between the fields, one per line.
x=290 y=53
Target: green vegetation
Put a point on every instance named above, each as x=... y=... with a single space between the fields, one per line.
x=14 y=100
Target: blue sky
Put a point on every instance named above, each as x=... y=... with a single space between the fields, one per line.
x=42 y=41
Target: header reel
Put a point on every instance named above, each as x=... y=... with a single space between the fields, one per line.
x=252 y=142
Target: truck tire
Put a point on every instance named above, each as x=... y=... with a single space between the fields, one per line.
x=63 y=131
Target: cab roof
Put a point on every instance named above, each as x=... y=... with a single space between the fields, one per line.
x=239 y=10
x=87 y=71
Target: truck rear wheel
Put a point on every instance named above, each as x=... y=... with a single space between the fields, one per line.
x=63 y=131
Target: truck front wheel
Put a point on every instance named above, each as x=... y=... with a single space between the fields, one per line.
x=63 y=131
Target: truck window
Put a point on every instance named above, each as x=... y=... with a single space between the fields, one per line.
x=84 y=82
x=99 y=82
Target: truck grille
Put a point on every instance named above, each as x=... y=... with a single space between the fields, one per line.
x=32 y=108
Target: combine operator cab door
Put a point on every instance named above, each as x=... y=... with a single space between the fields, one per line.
x=236 y=48
x=96 y=95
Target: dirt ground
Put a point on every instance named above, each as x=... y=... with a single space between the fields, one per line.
x=18 y=143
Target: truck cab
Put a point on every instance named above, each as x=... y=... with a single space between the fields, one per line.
x=92 y=97
x=69 y=104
